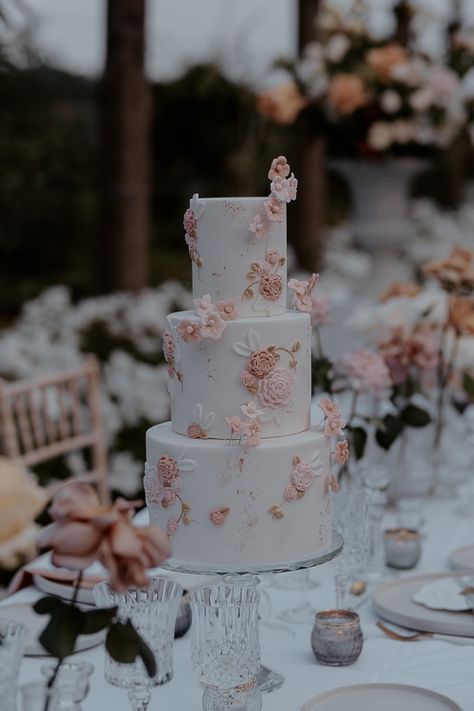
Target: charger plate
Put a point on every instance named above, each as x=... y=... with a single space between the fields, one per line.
x=394 y=602
x=462 y=559
x=375 y=697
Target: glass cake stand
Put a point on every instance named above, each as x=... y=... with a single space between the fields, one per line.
x=247 y=576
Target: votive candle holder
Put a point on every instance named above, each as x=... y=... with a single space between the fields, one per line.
x=336 y=637
x=402 y=548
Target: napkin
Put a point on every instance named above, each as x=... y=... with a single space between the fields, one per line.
x=446 y=594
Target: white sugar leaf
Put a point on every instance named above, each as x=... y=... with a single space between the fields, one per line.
x=208 y=421
x=186 y=465
x=253 y=339
x=197 y=206
x=241 y=349
x=197 y=413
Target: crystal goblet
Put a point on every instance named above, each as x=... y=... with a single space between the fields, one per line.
x=350 y=519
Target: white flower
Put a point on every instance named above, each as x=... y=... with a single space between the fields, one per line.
x=336 y=47
x=422 y=99
x=390 y=101
x=204 y=306
x=380 y=135
x=251 y=411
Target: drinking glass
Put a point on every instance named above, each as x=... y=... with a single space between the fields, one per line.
x=152 y=611
x=12 y=645
x=350 y=519
x=225 y=647
x=376 y=479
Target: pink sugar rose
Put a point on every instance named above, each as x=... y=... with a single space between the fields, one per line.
x=248 y=380
x=321 y=311
x=227 y=310
x=333 y=427
x=194 y=431
x=271 y=287
x=331 y=484
x=261 y=362
x=272 y=256
x=284 y=189
x=362 y=371
x=329 y=408
x=218 y=516
x=167 y=468
x=213 y=326
x=274 y=208
x=257 y=226
x=292 y=187
x=341 y=453
x=189 y=223
x=234 y=423
x=250 y=429
x=191 y=242
x=298 y=286
x=302 y=476
x=171 y=370
x=290 y=493
x=171 y=527
x=168 y=346
x=276 y=388
x=190 y=331
x=204 y=305
x=264 y=268
x=279 y=168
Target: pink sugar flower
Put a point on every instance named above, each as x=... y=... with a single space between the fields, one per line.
x=227 y=310
x=169 y=497
x=249 y=381
x=341 y=454
x=302 y=476
x=320 y=311
x=257 y=227
x=272 y=256
x=218 y=516
x=271 y=287
x=194 y=431
x=213 y=326
x=189 y=223
x=276 y=388
x=329 y=408
x=292 y=187
x=251 y=431
x=191 y=242
x=234 y=423
x=190 y=331
x=167 y=468
x=284 y=189
x=204 y=305
x=279 y=167
x=251 y=410
x=290 y=493
x=331 y=484
x=274 y=208
x=171 y=527
x=298 y=286
x=333 y=427
x=168 y=346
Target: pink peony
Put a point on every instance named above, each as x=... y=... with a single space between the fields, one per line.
x=234 y=424
x=194 y=431
x=167 y=468
x=290 y=493
x=271 y=287
x=251 y=431
x=168 y=346
x=227 y=310
x=272 y=256
x=279 y=168
x=204 y=305
x=329 y=408
x=190 y=331
x=341 y=453
x=261 y=362
x=362 y=371
x=302 y=476
x=321 y=311
x=171 y=527
x=333 y=427
x=276 y=388
x=189 y=223
x=274 y=208
x=213 y=326
x=248 y=380
x=251 y=411
x=257 y=226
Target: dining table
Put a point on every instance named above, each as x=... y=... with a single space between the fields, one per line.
x=435 y=664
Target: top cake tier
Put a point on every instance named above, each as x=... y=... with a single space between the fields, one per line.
x=238 y=251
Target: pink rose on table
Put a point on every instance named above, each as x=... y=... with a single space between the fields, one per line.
x=212 y=325
x=189 y=223
x=227 y=310
x=362 y=371
x=84 y=531
x=321 y=311
x=279 y=168
x=274 y=208
x=190 y=331
x=329 y=408
x=271 y=287
x=276 y=388
x=168 y=346
x=333 y=426
x=167 y=468
x=302 y=476
x=290 y=493
x=250 y=429
x=257 y=226
x=341 y=453
x=261 y=362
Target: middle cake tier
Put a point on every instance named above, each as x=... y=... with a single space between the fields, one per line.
x=258 y=370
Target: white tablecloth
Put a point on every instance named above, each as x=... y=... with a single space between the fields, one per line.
x=435 y=665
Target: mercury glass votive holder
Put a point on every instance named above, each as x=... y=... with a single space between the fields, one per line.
x=152 y=610
x=402 y=548
x=336 y=637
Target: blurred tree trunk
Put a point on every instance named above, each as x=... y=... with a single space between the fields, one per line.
x=310 y=212
x=126 y=151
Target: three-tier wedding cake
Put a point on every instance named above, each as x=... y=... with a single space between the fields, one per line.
x=239 y=477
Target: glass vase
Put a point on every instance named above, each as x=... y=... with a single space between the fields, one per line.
x=13 y=638
x=412 y=475
x=152 y=611
x=225 y=647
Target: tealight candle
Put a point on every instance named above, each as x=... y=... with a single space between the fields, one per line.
x=402 y=548
x=336 y=637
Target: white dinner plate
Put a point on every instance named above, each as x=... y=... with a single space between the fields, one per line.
x=34 y=623
x=462 y=559
x=393 y=601
x=375 y=697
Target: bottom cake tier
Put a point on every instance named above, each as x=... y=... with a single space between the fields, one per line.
x=224 y=505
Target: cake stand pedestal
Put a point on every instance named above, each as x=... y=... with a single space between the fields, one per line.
x=240 y=576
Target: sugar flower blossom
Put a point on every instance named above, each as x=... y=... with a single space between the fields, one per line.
x=279 y=168
x=285 y=188
x=257 y=226
x=341 y=453
x=250 y=429
x=227 y=310
x=213 y=326
x=251 y=410
x=190 y=331
x=333 y=426
x=329 y=407
x=234 y=423
x=302 y=292
x=274 y=208
x=204 y=305
x=189 y=223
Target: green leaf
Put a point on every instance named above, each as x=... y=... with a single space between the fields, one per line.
x=359 y=440
x=391 y=428
x=468 y=385
x=60 y=634
x=97 y=620
x=414 y=416
x=124 y=645
x=46 y=605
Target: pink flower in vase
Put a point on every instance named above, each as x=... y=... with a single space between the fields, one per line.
x=261 y=362
x=190 y=331
x=321 y=311
x=171 y=527
x=274 y=208
x=302 y=476
x=251 y=410
x=234 y=423
x=204 y=305
x=212 y=325
x=290 y=493
x=251 y=431
x=333 y=427
x=279 y=168
x=167 y=468
x=189 y=223
x=276 y=388
x=271 y=287
x=362 y=371
x=341 y=454
x=329 y=408
x=227 y=310
x=257 y=227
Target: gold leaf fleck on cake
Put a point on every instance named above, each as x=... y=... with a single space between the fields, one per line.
x=296 y=460
x=241 y=464
x=276 y=511
x=296 y=347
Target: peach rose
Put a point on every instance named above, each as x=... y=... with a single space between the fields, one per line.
x=282 y=103
x=276 y=388
x=290 y=493
x=84 y=531
x=346 y=93
x=302 y=476
x=167 y=468
x=217 y=516
x=261 y=362
x=383 y=60
x=271 y=287
x=454 y=272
